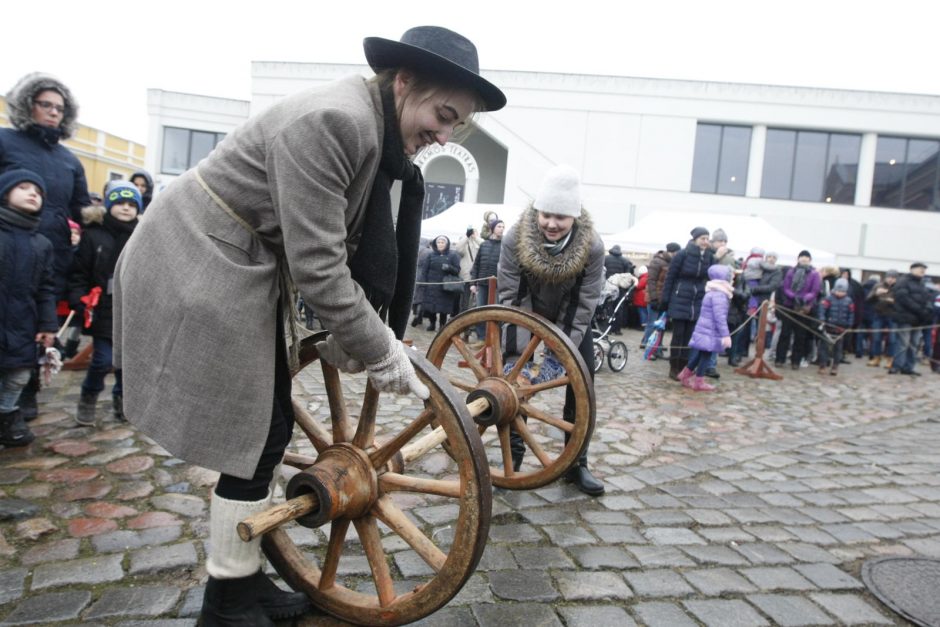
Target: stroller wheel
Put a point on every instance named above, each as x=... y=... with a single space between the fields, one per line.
x=598 y=356
x=617 y=356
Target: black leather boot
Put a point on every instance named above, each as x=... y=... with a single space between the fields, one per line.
x=279 y=604
x=13 y=430
x=233 y=603
x=583 y=479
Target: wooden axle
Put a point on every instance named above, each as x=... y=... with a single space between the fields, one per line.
x=342 y=481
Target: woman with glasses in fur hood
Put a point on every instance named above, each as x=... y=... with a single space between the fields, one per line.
x=43 y=113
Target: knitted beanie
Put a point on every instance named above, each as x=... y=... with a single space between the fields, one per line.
x=560 y=192
x=120 y=191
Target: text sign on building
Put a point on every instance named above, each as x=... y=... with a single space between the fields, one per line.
x=456 y=151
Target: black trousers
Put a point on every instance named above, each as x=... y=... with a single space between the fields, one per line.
x=586 y=348
x=279 y=435
x=802 y=339
x=679 y=344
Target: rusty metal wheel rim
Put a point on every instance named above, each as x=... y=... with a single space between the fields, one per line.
x=448 y=345
x=472 y=491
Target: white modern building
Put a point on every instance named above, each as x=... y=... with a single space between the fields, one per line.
x=851 y=172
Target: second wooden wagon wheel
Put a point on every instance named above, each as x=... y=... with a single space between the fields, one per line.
x=353 y=481
x=531 y=409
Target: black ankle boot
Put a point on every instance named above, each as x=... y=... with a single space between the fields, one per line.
x=233 y=603
x=279 y=604
x=582 y=477
x=13 y=430
x=584 y=480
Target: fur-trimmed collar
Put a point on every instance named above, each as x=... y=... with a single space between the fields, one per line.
x=93 y=214
x=535 y=260
x=20 y=102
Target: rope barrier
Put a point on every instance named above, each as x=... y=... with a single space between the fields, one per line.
x=457 y=281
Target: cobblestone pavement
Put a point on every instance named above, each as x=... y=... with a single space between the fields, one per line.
x=753 y=505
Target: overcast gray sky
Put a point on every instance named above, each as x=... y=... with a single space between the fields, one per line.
x=110 y=53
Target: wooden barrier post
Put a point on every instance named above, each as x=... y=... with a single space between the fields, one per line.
x=757 y=368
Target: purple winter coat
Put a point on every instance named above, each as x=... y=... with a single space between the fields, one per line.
x=807 y=294
x=712 y=324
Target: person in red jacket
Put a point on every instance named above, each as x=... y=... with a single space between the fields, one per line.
x=639 y=297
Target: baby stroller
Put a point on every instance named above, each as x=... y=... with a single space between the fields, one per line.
x=611 y=302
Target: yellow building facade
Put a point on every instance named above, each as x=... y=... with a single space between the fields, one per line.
x=104 y=156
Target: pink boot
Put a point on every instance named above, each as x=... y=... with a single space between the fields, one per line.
x=699 y=385
x=685 y=377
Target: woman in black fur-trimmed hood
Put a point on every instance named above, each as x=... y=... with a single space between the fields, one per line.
x=552 y=263
x=43 y=112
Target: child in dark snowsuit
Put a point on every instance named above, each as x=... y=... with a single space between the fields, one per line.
x=837 y=313
x=91 y=279
x=27 y=295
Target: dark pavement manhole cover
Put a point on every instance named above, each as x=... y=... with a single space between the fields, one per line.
x=908 y=585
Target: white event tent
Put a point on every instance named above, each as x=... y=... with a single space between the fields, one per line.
x=654 y=231
x=454 y=220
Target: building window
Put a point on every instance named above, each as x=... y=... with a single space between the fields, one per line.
x=906 y=174
x=815 y=166
x=183 y=148
x=721 y=156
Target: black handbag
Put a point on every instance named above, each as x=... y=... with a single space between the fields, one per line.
x=452 y=284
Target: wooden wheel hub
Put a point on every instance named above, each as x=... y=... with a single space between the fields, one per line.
x=343 y=481
x=502 y=399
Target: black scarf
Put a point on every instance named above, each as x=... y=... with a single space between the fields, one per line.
x=27 y=221
x=386 y=261
x=46 y=134
x=121 y=231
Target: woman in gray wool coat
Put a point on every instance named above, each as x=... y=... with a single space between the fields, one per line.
x=288 y=199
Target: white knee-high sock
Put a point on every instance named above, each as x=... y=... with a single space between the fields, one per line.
x=230 y=557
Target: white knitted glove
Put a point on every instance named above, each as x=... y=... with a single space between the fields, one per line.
x=394 y=372
x=332 y=353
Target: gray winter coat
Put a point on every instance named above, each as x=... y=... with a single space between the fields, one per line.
x=197 y=290
x=564 y=288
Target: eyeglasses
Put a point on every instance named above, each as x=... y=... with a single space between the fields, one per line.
x=45 y=105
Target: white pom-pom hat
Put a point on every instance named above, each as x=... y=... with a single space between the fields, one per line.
x=560 y=192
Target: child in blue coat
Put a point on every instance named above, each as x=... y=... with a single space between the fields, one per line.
x=711 y=332
x=837 y=313
x=27 y=295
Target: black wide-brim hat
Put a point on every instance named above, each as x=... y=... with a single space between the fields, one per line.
x=436 y=52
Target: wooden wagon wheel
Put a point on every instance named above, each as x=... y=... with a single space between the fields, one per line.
x=352 y=481
x=534 y=410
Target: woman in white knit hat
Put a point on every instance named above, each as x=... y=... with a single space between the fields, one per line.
x=552 y=263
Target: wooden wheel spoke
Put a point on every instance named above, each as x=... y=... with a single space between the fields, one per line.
x=463 y=385
x=385 y=452
x=334 y=550
x=389 y=513
x=394 y=482
x=296 y=460
x=368 y=532
x=365 y=431
x=418 y=449
x=506 y=448
x=313 y=429
x=495 y=345
x=537 y=449
x=478 y=370
x=538 y=414
x=524 y=358
x=531 y=390
x=342 y=430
